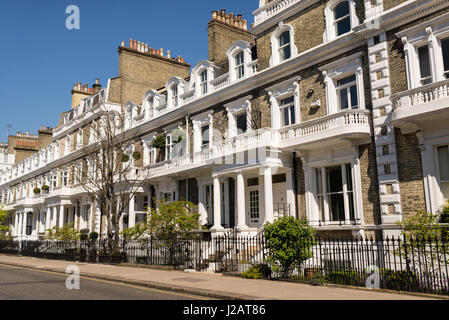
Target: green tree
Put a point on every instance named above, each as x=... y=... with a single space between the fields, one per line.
x=66 y=233
x=289 y=242
x=425 y=245
x=4 y=227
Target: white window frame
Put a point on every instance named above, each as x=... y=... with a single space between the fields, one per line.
x=198 y=122
x=338 y=70
x=237 y=48
x=429 y=33
x=279 y=92
x=275 y=56
x=440 y=182
x=330 y=32
x=235 y=109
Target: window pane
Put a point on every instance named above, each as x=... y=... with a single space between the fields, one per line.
x=285 y=53
x=346 y=80
x=354 y=100
x=319 y=181
x=341 y=10
x=344 y=99
x=349 y=177
x=205 y=135
x=242 y=124
x=334 y=179
x=424 y=64
x=292 y=115
x=286 y=119
x=443 y=161
x=239 y=58
x=343 y=26
x=287 y=101
x=337 y=207
x=445 y=49
x=284 y=39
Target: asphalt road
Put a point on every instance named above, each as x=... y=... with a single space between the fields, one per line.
x=24 y=284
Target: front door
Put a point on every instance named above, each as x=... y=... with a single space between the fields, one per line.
x=253 y=206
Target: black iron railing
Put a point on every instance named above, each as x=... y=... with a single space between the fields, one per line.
x=418 y=265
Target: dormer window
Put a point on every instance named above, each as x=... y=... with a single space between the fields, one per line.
x=284 y=46
x=342 y=18
x=239 y=65
x=203 y=82
x=174 y=95
x=205 y=137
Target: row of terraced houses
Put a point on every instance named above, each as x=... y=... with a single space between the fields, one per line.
x=337 y=111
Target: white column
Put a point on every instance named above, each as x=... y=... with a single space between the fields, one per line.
x=226 y=202
x=61 y=216
x=345 y=194
x=290 y=193
x=201 y=204
x=268 y=195
x=217 y=204
x=325 y=197
x=241 y=214
x=131 y=214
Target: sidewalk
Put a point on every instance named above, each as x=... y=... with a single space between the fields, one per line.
x=209 y=285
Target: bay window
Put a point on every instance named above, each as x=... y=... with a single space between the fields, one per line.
x=334 y=193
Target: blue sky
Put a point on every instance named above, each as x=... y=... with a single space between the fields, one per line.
x=40 y=59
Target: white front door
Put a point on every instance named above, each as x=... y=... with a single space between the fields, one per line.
x=253 y=206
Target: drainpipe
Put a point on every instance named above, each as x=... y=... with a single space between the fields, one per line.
x=295 y=185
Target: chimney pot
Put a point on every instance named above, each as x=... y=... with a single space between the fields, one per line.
x=168 y=54
x=162 y=51
x=245 y=24
x=146 y=47
x=122 y=44
x=214 y=14
x=97 y=81
x=135 y=45
x=130 y=43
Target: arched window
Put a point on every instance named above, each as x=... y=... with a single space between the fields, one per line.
x=285 y=51
x=282 y=44
x=342 y=18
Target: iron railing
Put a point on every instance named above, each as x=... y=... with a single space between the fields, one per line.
x=405 y=264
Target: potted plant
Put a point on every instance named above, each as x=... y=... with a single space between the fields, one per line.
x=125 y=158
x=136 y=155
x=45 y=189
x=159 y=142
x=37 y=191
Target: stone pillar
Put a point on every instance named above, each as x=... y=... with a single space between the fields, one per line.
x=268 y=195
x=241 y=213
x=61 y=216
x=131 y=214
x=201 y=204
x=290 y=193
x=217 y=205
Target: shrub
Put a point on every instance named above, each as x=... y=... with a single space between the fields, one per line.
x=84 y=234
x=398 y=280
x=45 y=187
x=93 y=236
x=349 y=278
x=159 y=142
x=289 y=242
x=125 y=158
x=36 y=190
x=136 y=155
x=258 y=271
x=66 y=233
